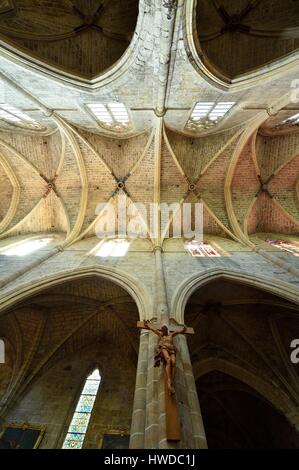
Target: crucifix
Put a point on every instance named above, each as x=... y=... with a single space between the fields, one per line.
x=166 y=355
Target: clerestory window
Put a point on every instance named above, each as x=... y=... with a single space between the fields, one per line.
x=15 y=116
x=111 y=116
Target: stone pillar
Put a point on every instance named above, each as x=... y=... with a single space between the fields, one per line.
x=181 y=386
x=162 y=317
x=161 y=296
x=148 y=428
x=139 y=406
x=152 y=403
x=190 y=397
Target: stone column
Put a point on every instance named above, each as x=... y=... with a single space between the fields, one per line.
x=139 y=407
x=156 y=422
x=190 y=397
x=161 y=296
x=181 y=386
x=163 y=317
x=152 y=404
x=148 y=428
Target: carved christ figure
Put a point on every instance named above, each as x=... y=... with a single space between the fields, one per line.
x=166 y=351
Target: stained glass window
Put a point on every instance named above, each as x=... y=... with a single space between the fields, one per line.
x=285 y=246
x=201 y=249
x=79 y=424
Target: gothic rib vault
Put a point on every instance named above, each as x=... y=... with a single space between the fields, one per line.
x=160 y=154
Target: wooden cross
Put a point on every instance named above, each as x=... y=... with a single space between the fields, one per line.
x=173 y=432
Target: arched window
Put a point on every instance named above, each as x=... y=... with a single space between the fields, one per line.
x=25 y=247
x=17 y=117
x=79 y=424
x=111 y=116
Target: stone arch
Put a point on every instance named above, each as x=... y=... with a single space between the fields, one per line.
x=214 y=74
x=122 y=279
x=244 y=362
x=85 y=345
x=242 y=410
x=194 y=282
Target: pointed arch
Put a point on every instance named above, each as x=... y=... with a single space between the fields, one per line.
x=194 y=282
x=130 y=284
x=280 y=401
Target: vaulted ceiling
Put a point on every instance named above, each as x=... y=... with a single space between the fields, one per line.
x=83 y=37
x=54 y=61
x=240 y=35
x=47 y=189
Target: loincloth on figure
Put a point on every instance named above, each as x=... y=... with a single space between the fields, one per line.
x=159 y=358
